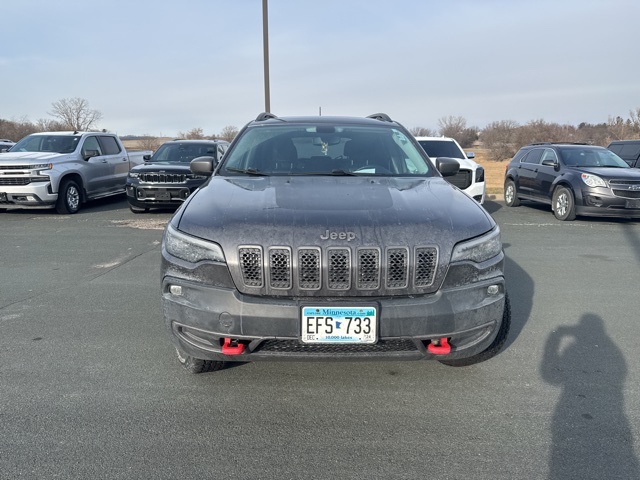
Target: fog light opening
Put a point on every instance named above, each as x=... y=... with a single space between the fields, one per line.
x=175 y=290
x=493 y=289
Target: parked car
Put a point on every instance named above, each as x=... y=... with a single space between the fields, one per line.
x=574 y=179
x=5 y=144
x=331 y=238
x=64 y=169
x=470 y=177
x=164 y=180
x=628 y=150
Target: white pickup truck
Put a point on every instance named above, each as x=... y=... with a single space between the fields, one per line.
x=64 y=169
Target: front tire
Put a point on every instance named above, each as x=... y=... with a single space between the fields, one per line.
x=68 y=198
x=197 y=365
x=564 y=204
x=511 y=194
x=495 y=346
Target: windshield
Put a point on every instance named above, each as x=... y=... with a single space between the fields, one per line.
x=47 y=143
x=591 y=157
x=440 y=148
x=182 y=152
x=325 y=150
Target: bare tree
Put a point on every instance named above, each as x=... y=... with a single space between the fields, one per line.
x=16 y=129
x=193 y=134
x=499 y=138
x=228 y=133
x=48 y=125
x=148 y=142
x=452 y=126
x=75 y=114
x=422 y=132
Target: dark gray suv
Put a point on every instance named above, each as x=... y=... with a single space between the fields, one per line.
x=331 y=238
x=575 y=179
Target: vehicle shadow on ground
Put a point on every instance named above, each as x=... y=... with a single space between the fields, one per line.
x=591 y=435
x=520 y=287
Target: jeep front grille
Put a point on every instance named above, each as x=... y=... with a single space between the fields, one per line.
x=337 y=269
x=163 y=177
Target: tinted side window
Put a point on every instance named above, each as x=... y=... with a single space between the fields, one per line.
x=534 y=156
x=630 y=151
x=109 y=145
x=549 y=155
x=91 y=143
x=617 y=148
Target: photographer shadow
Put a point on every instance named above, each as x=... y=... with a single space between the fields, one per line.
x=591 y=435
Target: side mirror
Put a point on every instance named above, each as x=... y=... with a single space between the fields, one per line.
x=447 y=166
x=87 y=154
x=202 y=165
x=550 y=163
x=471 y=155
x=146 y=158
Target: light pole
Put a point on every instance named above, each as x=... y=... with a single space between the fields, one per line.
x=265 y=44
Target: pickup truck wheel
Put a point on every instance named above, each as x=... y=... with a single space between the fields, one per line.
x=197 y=365
x=564 y=205
x=68 y=197
x=511 y=194
x=495 y=346
x=135 y=209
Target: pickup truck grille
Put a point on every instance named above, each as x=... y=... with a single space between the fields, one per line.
x=337 y=269
x=15 y=181
x=163 y=177
x=462 y=179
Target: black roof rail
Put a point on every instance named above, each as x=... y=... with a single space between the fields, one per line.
x=265 y=116
x=383 y=117
x=560 y=143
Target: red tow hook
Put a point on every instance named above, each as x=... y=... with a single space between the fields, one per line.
x=441 y=348
x=232 y=347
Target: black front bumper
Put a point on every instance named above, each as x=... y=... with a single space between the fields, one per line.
x=203 y=318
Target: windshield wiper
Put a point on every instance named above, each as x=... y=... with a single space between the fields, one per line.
x=248 y=171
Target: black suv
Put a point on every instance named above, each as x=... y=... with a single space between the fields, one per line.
x=331 y=238
x=628 y=150
x=574 y=179
x=164 y=180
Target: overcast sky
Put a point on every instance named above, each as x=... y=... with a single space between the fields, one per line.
x=160 y=67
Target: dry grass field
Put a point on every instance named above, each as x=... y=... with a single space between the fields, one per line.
x=493 y=171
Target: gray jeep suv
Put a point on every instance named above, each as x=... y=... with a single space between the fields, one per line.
x=331 y=238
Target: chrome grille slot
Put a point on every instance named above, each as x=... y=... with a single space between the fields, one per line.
x=339 y=268
x=280 y=267
x=426 y=264
x=309 y=277
x=368 y=268
x=250 y=260
x=397 y=267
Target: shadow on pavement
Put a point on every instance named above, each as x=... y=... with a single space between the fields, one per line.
x=591 y=435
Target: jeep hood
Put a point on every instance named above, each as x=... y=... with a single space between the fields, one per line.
x=296 y=211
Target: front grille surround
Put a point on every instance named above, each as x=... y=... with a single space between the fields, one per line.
x=364 y=270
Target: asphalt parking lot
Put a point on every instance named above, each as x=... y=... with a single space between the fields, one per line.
x=90 y=386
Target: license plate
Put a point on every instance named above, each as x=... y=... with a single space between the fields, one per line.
x=633 y=203
x=339 y=324
x=163 y=195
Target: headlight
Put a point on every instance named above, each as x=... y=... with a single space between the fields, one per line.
x=592 y=180
x=134 y=175
x=190 y=248
x=479 y=249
